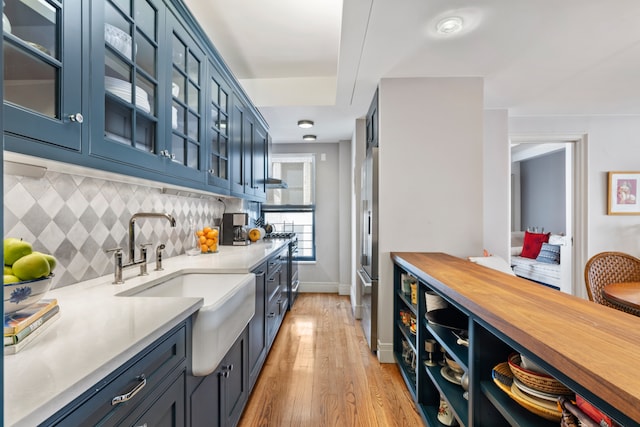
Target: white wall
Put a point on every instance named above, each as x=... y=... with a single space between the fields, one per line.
x=430 y=173
x=358 y=144
x=496 y=197
x=345 y=191
x=332 y=241
x=613 y=145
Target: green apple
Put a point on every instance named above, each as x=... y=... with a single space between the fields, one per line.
x=10 y=278
x=7 y=270
x=32 y=266
x=15 y=249
x=50 y=259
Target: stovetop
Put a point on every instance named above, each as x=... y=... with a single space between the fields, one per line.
x=280 y=235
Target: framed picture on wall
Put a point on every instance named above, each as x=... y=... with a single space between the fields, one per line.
x=624 y=193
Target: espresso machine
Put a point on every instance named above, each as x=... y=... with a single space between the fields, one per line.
x=235 y=230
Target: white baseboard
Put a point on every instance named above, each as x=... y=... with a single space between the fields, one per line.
x=385 y=352
x=344 y=289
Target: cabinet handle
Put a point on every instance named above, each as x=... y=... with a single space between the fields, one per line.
x=271 y=315
x=167 y=154
x=124 y=397
x=226 y=371
x=77 y=117
x=211 y=172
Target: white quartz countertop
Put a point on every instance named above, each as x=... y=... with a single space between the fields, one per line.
x=98 y=330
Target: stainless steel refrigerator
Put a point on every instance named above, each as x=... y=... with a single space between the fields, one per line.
x=368 y=269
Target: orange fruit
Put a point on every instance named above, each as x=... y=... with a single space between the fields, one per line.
x=211 y=235
x=204 y=248
x=215 y=232
x=215 y=239
x=199 y=233
x=202 y=239
x=209 y=242
x=206 y=230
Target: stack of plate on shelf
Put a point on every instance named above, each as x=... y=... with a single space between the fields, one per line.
x=118 y=39
x=122 y=89
x=174 y=118
x=536 y=391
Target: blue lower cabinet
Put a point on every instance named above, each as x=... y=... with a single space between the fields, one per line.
x=219 y=398
x=166 y=408
x=156 y=374
x=257 y=329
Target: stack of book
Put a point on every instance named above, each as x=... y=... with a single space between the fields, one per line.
x=24 y=326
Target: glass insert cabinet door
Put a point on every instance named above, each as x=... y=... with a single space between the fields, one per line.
x=218 y=133
x=131 y=74
x=187 y=100
x=42 y=57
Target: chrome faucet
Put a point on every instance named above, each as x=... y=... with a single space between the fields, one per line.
x=132 y=223
x=142 y=262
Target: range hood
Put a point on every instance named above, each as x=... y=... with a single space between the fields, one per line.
x=275 y=183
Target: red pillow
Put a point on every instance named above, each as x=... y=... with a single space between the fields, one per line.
x=532 y=244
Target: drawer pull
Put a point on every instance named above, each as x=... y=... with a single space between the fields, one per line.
x=124 y=397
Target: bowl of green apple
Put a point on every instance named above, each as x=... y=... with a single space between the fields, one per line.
x=28 y=274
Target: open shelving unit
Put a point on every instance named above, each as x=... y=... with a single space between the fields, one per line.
x=488 y=345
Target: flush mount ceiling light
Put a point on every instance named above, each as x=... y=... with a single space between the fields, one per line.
x=305 y=124
x=309 y=137
x=449 y=25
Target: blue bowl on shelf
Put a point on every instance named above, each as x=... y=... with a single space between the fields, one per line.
x=21 y=295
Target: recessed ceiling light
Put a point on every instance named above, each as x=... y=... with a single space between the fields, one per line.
x=449 y=25
x=305 y=124
x=309 y=137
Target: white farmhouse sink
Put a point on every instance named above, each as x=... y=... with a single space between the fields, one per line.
x=229 y=304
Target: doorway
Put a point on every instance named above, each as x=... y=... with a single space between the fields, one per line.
x=574 y=149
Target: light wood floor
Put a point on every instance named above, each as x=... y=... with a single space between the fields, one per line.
x=320 y=372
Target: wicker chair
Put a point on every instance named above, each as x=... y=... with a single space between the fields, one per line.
x=610 y=267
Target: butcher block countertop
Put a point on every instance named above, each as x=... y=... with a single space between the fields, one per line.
x=593 y=346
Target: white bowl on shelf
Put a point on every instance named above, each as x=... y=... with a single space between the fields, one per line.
x=118 y=39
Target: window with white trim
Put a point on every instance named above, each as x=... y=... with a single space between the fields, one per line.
x=293 y=208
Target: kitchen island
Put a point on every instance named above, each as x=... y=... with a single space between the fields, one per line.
x=590 y=348
x=98 y=330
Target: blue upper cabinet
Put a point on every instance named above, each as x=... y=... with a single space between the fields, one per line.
x=125 y=62
x=42 y=74
x=259 y=161
x=219 y=101
x=248 y=153
x=237 y=148
x=160 y=103
x=185 y=128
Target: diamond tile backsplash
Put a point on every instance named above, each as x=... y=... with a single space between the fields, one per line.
x=76 y=218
